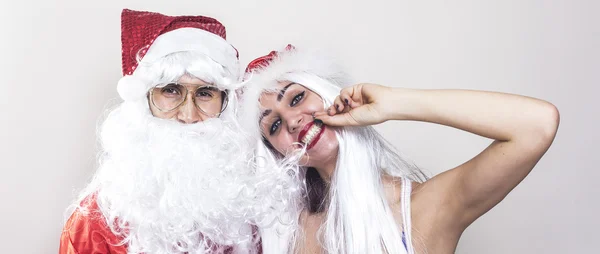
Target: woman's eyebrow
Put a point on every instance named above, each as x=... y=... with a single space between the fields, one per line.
x=265 y=113
x=282 y=92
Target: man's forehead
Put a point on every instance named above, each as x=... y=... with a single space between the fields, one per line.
x=188 y=80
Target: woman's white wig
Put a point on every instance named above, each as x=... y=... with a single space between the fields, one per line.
x=358 y=215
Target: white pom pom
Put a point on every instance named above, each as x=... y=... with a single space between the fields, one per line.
x=131 y=88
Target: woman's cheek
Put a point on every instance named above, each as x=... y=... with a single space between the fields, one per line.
x=280 y=145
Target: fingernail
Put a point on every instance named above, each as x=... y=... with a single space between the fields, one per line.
x=337 y=107
x=318 y=122
x=346 y=100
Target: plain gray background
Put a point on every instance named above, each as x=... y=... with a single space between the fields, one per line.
x=60 y=61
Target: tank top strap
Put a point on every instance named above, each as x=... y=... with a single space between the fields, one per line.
x=406 y=215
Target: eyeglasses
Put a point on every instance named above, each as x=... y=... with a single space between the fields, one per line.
x=208 y=99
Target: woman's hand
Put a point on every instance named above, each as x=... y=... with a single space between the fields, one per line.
x=359 y=105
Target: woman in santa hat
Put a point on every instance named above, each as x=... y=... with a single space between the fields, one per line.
x=360 y=194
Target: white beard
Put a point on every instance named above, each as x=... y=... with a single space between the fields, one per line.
x=166 y=187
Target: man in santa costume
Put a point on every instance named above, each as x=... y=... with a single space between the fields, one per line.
x=173 y=168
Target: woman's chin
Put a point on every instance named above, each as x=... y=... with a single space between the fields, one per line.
x=323 y=152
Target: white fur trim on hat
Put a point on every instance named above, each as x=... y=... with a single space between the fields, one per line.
x=297 y=61
x=193 y=39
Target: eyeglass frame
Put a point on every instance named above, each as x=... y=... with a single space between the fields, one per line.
x=224 y=100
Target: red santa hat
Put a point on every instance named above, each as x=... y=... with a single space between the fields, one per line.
x=148 y=36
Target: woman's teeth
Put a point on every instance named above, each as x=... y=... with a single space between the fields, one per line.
x=311 y=134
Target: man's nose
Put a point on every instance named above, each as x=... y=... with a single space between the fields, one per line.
x=189 y=112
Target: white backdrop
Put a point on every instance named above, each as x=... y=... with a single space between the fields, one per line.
x=60 y=61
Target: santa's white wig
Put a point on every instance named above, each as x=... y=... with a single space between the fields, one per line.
x=358 y=216
x=167 y=187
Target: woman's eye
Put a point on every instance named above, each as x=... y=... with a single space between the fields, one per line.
x=297 y=99
x=274 y=126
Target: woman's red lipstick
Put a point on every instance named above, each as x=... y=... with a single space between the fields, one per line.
x=305 y=130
